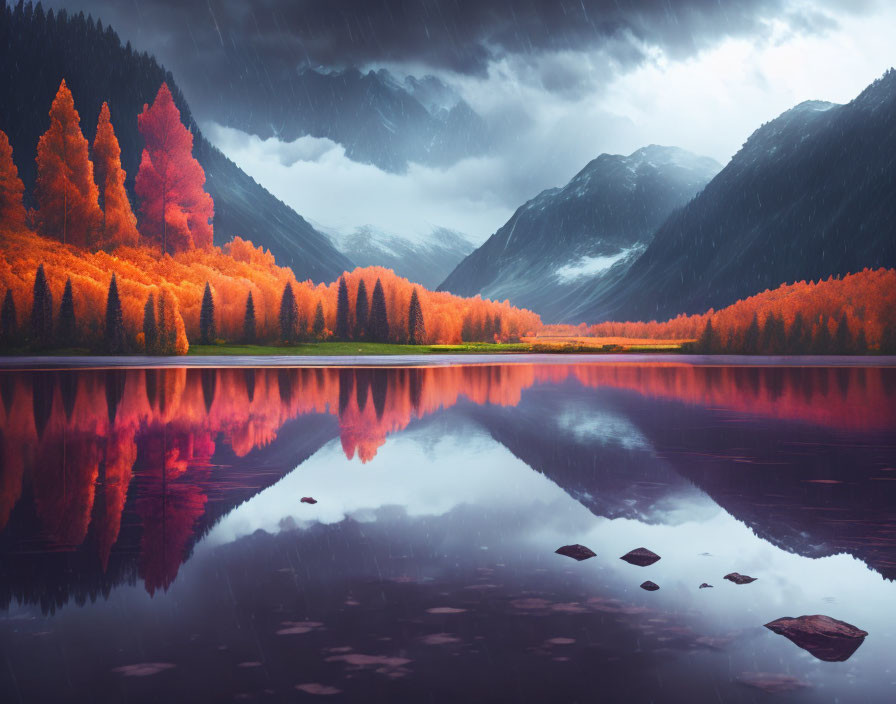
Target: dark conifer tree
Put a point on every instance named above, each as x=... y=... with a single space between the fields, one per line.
x=342 y=326
x=66 y=331
x=289 y=315
x=416 y=326
x=498 y=326
x=796 y=336
x=888 y=338
x=707 y=342
x=207 y=333
x=8 y=324
x=319 y=325
x=114 y=341
x=249 y=328
x=361 y=311
x=821 y=341
x=466 y=328
x=150 y=329
x=751 y=337
x=843 y=341
x=378 y=324
x=861 y=344
x=42 y=311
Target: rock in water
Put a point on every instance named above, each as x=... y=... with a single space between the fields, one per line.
x=576 y=552
x=705 y=586
x=308 y=500
x=641 y=557
x=739 y=578
x=825 y=637
x=650 y=586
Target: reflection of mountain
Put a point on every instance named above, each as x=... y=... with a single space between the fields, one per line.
x=112 y=476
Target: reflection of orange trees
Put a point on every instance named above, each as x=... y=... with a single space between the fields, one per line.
x=81 y=440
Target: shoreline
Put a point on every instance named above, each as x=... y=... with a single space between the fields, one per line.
x=434 y=360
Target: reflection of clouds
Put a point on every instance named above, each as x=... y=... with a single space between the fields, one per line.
x=602 y=426
x=425 y=475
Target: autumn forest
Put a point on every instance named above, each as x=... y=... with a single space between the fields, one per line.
x=84 y=269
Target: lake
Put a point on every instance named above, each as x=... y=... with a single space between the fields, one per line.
x=389 y=534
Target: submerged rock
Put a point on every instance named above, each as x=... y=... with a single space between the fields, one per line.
x=824 y=637
x=650 y=586
x=641 y=557
x=705 y=586
x=308 y=500
x=738 y=578
x=576 y=552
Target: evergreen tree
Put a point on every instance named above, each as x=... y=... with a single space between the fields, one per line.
x=8 y=323
x=751 y=337
x=796 y=336
x=249 y=330
x=361 y=311
x=378 y=324
x=66 y=330
x=498 y=326
x=843 y=342
x=416 y=326
x=342 y=326
x=150 y=328
x=317 y=329
x=113 y=338
x=707 y=342
x=466 y=328
x=821 y=341
x=289 y=316
x=41 y=311
x=888 y=338
x=861 y=344
x=207 y=332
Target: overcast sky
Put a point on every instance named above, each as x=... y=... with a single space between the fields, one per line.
x=569 y=78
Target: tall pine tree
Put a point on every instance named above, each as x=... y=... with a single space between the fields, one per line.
x=8 y=324
x=342 y=325
x=751 y=337
x=66 y=330
x=416 y=326
x=113 y=336
x=12 y=211
x=289 y=316
x=843 y=340
x=249 y=326
x=150 y=327
x=207 y=317
x=41 y=311
x=319 y=325
x=362 y=311
x=707 y=342
x=378 y=323
x=67 y=196
x=797 y=335
x=118 y=225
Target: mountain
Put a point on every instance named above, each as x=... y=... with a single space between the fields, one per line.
x=809 y=195
x=40 y=49
x=566 y=245
x=377 y=118
x=425 y=261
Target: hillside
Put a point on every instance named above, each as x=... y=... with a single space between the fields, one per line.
x=40 y=49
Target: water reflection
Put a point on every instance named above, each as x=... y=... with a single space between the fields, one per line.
x=118 y=477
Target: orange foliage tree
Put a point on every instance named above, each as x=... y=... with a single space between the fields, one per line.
x=118 y=225
x=67 y=196
x=12 y=212
x=176 y=211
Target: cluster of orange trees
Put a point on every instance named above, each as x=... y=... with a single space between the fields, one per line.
x=852 y=314
x=82 y=269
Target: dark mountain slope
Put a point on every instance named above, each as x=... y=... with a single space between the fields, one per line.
x=811 y=194
x=38 y=50
x=564 y=246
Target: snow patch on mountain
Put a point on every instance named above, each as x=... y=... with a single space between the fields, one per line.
x=587 y=267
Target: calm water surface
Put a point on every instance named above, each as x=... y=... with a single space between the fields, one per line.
x=154 y=545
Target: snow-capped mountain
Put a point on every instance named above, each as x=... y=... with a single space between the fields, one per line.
x=810 y=194
x=564 y=246
x=425 y=260
x=378 y=118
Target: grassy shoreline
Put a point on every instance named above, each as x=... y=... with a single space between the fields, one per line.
x=377 y=348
